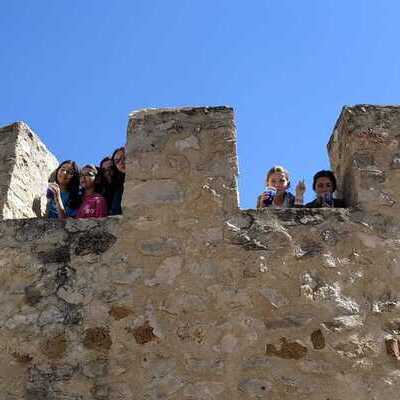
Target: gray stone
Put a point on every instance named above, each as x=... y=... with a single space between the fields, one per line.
x=190 y=142
x=95 y=368
x=167 y=272
x=204 y=390
x=274 y=297
x=257 y=362
x=291 y=321
x=125 y=275
x=255 y=388
x=71 y=296
x=204 y=365
x=159 y=247
x=164 y=387
x=332 y=294
x=51 y=315
x=156 y=193
x=344 y=322
x=21 y=320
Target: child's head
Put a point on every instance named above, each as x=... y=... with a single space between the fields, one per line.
x=324 y=182
x=278 y=178
x=107 y=170
x=118 y=159
x=89 y=177
x=67 y=175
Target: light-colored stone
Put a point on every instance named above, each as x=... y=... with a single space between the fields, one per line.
x=187 y=297
x=27 y=165
x=167 y=272
x=153 y=193
x=274 y=297
x=189 y=143
x=255 y=388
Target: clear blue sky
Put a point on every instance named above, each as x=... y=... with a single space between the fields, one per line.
x=73 y=70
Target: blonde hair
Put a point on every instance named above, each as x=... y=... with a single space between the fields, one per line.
x=280 y=170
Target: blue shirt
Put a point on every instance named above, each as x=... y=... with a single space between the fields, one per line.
x=52 y=211
x=115 y=208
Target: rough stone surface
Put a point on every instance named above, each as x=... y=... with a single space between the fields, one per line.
x=364 y=151
x=188 y=297
x=24 y=171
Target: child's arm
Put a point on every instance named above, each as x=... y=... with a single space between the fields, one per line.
x=260 y=201
x=300 y=190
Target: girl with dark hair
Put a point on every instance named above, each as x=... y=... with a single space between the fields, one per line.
x=63 y=198
x=118 y=159
x=107 y=173
x=324 y=185
x=93 y=205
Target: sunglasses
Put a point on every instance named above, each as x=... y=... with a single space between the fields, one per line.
x=70 y=172
x=119 y=160
x=88 y=174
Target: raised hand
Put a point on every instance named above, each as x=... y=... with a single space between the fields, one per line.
x=54 y=188
x=300 y=188
x=56 y=191
x=57 y=198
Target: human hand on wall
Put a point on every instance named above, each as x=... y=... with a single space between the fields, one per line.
x=56 y=192
x=300 y=190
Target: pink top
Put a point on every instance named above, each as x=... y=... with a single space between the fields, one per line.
x=93 y=206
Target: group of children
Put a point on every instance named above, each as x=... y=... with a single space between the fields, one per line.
x=276 y=194
x=88 y=192
x=95 y=192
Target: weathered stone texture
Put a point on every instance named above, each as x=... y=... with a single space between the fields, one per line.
x=24 y=171
x=195 y=299
x=365 y=153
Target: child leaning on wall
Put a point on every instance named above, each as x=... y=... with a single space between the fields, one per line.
x=276 y=195
x=118 y=160
x=324 y=186
x=94 y=205
x=63 y=198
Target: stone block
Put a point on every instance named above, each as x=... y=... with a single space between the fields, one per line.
x=170 y=150
x=363 y=150
x=25 y=171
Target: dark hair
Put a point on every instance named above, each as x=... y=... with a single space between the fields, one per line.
x=105 y=186
x=325 y=174
x=91 y=166
x=104 y=160
x=97 y=179
x=115 y=153
x=73 y=187
x=119 y=176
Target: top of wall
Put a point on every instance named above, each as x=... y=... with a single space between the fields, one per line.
x=180 y=152
x=185 y=296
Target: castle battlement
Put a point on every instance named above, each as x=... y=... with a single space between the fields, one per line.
x=186 y=296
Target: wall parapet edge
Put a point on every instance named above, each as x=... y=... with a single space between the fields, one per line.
x=187 y=296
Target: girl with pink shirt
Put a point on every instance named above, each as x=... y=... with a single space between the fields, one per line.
x=93 y=205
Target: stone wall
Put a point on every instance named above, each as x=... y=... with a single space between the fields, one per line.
x=365 y=153
x=26 y=166
x=187 y=297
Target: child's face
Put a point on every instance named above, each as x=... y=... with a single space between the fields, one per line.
x=87 y=178
x=278 y=181
x=119 y=161
x=323 y=185
x=65 y=174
